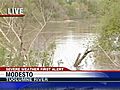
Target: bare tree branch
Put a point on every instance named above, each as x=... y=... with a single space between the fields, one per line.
x=108 y=56
x=37 y=20
x=5 y=47
x=12 y=28
x=42 y=12
x=7 y=39
x=36 y=37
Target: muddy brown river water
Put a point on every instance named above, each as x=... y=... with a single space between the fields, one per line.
x=71 y=38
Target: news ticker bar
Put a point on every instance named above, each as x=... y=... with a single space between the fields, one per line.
x=39 y=76
x=45 y=74
x=50 y=69
x=34 y=69
x=57 y=74
x=38 y=79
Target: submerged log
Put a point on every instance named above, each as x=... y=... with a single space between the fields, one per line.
x=79 y=60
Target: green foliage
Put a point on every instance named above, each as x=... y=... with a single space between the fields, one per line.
x=79 y=8
x=42 y=58
x=70 y=10
x=47 y=55
x=110 y=21
x=61 y=2
x=93 y=6
x=2 y=56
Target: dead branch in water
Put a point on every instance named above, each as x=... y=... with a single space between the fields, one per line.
x=79 y=60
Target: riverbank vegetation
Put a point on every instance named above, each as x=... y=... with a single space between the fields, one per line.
x=110 y=25
x=109 y=32
x=18 y=35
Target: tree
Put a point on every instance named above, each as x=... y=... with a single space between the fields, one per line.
x=19 y=34
x=110 y=25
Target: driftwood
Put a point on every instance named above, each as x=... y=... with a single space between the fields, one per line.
x=79 y=60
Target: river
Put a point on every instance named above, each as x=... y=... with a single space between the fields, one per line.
x=71 y=38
